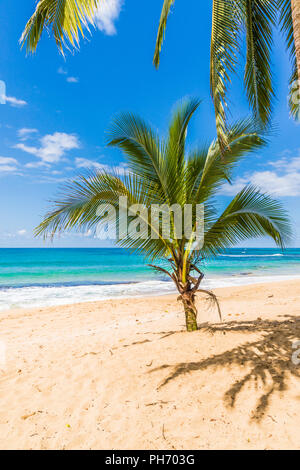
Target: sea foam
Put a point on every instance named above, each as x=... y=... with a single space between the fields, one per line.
x=29 y=297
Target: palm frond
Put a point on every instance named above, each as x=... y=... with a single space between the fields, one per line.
x=77 y=205
x=174 y=149
x=260 y=17
x=286 y=21
x=224 y=47
x=213 y=170
x=84 y=202
x=250 y=214
x=140 y=144
x=178 y=129
x=214 y=300
x=66 y=18
x=161 y=30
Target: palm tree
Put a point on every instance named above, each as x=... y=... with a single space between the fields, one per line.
x=163 y=172
x=229 y=20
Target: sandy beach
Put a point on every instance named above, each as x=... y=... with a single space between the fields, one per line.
x=124 y=375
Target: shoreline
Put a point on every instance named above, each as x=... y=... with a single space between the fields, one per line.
x=78 y=294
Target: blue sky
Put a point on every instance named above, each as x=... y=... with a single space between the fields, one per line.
x=57 y=110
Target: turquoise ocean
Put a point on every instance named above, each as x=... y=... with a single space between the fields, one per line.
x=40 y=277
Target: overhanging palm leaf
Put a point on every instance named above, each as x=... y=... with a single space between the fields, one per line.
x=223 y=53
x=66 y=18
x=161 y=30
x=230 y=19
x=260 y=17
x=161 y=173
x=287 y=28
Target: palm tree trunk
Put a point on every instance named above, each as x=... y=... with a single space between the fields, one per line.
x=295 y=5
x=188 y=300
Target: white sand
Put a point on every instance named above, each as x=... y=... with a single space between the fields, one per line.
x=123 y=375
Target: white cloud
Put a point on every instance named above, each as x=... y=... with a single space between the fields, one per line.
x=37 y=164
x=268 y=181
x=52 y=180
x=22 y=232
x=288 y=163
x=8 y=165
x=107 y=13
x=85 y=163
x=25 y=133
x=5 y=235
x=8 y=169
x=279 y=185
x=282 y=181
x=8 y=161
x=89 y=164
x=53 y=147
x=72 y=80
x=62 y=71
x=69 y=79
x=15 y=102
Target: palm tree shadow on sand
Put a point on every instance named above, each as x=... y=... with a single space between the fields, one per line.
x=268 y=360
